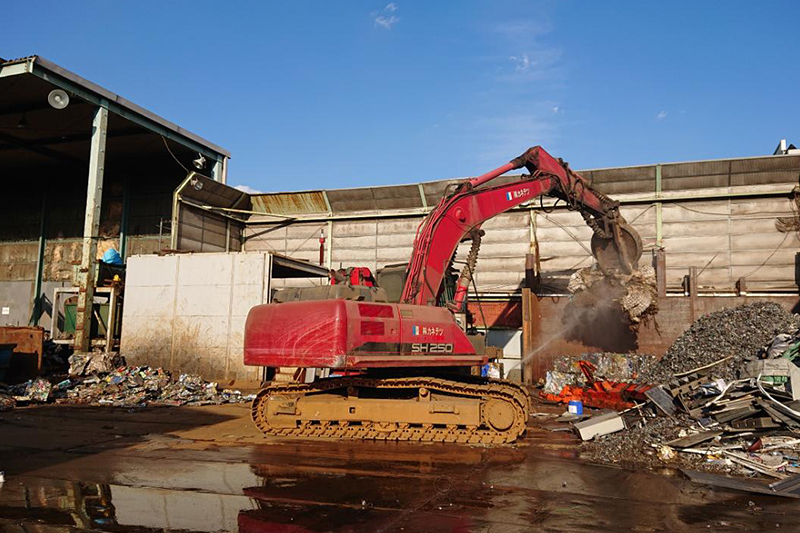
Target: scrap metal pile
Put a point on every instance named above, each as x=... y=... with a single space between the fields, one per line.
x=95 y=380
x=728 y=400
x=611 y=366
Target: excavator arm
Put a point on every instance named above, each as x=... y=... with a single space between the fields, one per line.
x=462 y=210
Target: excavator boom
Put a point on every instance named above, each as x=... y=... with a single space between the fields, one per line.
x=461 y=212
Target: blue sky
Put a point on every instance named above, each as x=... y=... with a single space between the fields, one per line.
x=344 y=94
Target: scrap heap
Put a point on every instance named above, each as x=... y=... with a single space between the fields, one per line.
x=725 y=397
x=95 y=380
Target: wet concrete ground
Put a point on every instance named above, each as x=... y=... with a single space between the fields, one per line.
x=208 y=469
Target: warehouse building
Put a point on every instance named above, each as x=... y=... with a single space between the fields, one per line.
x=84 y=170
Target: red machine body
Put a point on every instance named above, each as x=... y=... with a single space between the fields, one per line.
x=346 y=334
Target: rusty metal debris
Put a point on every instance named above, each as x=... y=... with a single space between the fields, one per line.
x=611 y=366
x=738 y=333
x=122 y=387
x=724 y=400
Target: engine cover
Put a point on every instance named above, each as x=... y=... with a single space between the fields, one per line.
x=344 y=334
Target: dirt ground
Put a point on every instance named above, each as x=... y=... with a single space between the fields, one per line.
x=73 y=468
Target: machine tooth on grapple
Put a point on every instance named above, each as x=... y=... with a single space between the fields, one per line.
x=406 y=348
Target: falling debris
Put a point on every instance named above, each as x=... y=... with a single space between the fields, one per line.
x=635 y=295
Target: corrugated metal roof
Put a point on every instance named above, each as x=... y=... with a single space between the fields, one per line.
x=113 y=97
x=294 y=203
x=622 y=180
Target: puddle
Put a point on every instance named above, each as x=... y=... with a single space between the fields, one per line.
x=331 y=486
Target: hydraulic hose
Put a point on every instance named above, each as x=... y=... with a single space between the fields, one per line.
x=462 y=287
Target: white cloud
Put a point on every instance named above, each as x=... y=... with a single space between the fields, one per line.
x=661 y=115
x=247 y=189
x=386 y=19
x=523 y=62
x=506 y=136
x=539 y=63
x=555 y=109
x=523 y=28
x=386 y=22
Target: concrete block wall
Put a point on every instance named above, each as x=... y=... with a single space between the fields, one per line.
x=186 y=313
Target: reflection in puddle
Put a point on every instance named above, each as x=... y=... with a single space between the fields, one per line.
x=371 y=489
x=347 y=487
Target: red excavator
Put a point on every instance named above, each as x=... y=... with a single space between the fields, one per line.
x=401 y=341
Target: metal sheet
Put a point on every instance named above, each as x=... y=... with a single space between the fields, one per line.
x=294 y=203
x=26 y=360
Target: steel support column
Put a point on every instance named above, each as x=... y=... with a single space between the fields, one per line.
x=123 y=225
x=659 y=223
x=216 y=171
x=37 y=291
x=94 y=198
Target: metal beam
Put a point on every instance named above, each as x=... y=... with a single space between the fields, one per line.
x=116 y=108
x=94 y=198
x=41 y=150
x=659 y=222
x=422 y=196
x=415 y=212
x=216 y=171
x=66 y=139
x=123 y=224
x=37 y=291
x=225 y=170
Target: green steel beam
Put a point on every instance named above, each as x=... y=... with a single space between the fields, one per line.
x=659 y=220
x=37 y=291
x=123 y=224
x=91 y=226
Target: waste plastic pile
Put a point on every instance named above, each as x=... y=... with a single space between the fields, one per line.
x=95 y=381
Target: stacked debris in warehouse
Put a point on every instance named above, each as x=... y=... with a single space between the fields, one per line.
x=737 y=410
x=94 y=380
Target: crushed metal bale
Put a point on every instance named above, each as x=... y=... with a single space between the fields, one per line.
x=739 y=332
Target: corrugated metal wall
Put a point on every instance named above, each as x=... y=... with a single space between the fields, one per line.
x=718 y=216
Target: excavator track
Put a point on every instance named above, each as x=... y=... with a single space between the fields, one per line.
x=492 y=412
